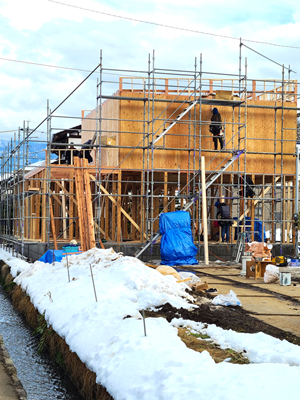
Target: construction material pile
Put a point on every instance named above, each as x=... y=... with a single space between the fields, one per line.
x=259 y=250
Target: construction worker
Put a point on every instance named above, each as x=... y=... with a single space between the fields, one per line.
x=216 y=128
x=69 y=156
x=86 y=150
x=249 y=184
x=225 y=220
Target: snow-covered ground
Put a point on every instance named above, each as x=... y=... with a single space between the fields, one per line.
x=157 y=366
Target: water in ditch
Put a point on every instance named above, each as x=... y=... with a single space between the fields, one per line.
x=39 y=375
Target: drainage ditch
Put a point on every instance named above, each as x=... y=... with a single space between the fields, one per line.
x=40 y=376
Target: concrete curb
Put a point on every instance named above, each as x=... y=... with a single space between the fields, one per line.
x=11 y=370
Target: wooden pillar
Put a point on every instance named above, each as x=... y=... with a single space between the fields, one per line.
x=263 y=208
x=114 y=191
x=134 y=211
x=221 y=195
x=273 y=237
x=252 y=208
x=288 y=213
x=57 y=219
x=53 y=224
x=107 y=219
x=79 y=197
x=172 y=205
x=44 y=206
x=119 y=189
x=204 y=212
x=71 y=207
x=156 y=212
x=64 y=212
x=89 y=208
x=165 y=191
x=293 y=206
x=142 y=210
x=284 y=203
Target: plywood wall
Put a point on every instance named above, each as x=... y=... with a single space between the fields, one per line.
x=133 y=131
x=109 y=128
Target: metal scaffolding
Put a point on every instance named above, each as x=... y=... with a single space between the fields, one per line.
x=147 y=140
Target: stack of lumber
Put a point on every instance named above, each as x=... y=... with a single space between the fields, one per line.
x=84 y=201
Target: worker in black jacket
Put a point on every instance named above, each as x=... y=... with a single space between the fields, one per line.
x=70 y=154
x=85 y=151
x=249 y=185
x=225 y=220
x=216 y=128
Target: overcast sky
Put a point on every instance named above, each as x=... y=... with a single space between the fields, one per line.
x=48 y=32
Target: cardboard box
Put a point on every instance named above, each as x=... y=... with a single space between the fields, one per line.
x=223 y=94
x=108 y=141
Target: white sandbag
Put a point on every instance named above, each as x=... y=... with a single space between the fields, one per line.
x=229 y=299
x=271 y=274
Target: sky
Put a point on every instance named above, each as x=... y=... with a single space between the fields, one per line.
x=70 y=36
x=105 y=329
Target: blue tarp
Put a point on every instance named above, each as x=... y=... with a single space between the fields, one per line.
x=176 y=246
x=49 y=257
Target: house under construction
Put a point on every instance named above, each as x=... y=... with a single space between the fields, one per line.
x=152 y=149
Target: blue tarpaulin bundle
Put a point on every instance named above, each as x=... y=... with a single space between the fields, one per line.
x=52 y=255
x=176 y=246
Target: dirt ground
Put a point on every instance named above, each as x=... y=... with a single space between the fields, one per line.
x=229 y=317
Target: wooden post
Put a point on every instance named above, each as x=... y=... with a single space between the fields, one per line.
x=71 y=207
x=263 y=209
x=44 y=206
x=204 y=211
x=57 y=219
x=88 y=202
x=283 y=193
x=114 y=191
x=252 y=208
x=79 y=196
x=38 y=209
x=134 y=211
x=172 y=205
x=53 y=224
x=165 y=191
x=64 y=213
x=289 y=185
x=293 y=205
x=119 y=226
x=273 y=237
x=142 y=209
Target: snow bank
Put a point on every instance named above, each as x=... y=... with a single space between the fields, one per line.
x=108 y=335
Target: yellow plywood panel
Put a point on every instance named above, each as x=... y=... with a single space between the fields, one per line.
x=262 y=135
